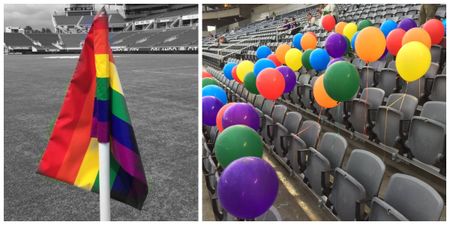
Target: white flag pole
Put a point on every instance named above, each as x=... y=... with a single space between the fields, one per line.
x=105 y=211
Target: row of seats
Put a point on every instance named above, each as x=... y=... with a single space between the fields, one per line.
x=295 y=143
x=394 y=124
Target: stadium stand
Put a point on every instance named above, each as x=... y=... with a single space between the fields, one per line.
x=173 y=29
x=347 y=182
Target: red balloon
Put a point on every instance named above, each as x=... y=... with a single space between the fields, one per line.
x=328 y=22
x=270 y=83
x=274 y=59
x=394 y=40
x=234 y=74
x=220 y=115
x=435 y=29
x=206 y=74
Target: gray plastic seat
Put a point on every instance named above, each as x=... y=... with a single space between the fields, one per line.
x=259 y=101
x=392 y=65
x=277 y=116
x=370 y=100
x=306 y=137
x=436 y=51
x=367 y=74
x=307 y=95
x=432 y=71
x=415 y=88
x=357 y=184
x=328 y=156
x=296 y=94
x=291 y=125
x=426 y=138
x=407 y=198
x=271 y=215
x=438 y=90
x=389 y=117
x=388 y=81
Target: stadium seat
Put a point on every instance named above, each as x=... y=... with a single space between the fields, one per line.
x=438 y=90
x=407 y=198
x=277 y=116
x=322 y=162
x=363 y=109
x=387 y=126
x=426 y=138
x=307 y=95
x=290 y=125
x=388 y=81
x=356 y=185
x=306 y=138
x=367 y=74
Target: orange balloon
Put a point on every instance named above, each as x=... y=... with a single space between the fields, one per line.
x=281 y=52
x=309 y=41
x=339 y=28
x=417 y=34
x=370 y=44
x=321 y=96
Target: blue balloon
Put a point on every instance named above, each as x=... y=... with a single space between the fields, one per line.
x=387 y=26
x=354 y=40
x=216 y=91
x=296 y=41
x=318 y=59
x=228 y=69
x=263 y=51
x=445 y=24
x=263 y=64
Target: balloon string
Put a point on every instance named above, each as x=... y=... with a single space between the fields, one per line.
x=367 y=98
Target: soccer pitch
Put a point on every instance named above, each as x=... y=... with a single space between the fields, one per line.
x=161 y=94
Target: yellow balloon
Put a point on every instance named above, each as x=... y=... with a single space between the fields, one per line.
x=413 y=61
x=293 y=59
x=350 y=30
x=243 y=68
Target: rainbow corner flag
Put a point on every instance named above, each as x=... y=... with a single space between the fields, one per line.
x=94 y=110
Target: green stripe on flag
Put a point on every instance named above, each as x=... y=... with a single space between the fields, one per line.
x=102 y=90
x=119 y=106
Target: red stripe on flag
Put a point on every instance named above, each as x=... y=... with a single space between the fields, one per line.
x=76 y=112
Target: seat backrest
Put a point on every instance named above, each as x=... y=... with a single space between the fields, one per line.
x=404 y=103
x=413 y=198
x=436 y=53
x=392 y=65
x=278 y=114
x=309 y=132
x=373 y=96
x=415 y=88
x=304 y=79
x=387 y=80
x=432 y=71
x=434 y=110
x=292 y=122
x=259 y=101
x=268 y=107
x=438 y=91
x=368 y=169
x=333 y=146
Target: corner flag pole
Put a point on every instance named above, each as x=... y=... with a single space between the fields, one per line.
x=105 y=207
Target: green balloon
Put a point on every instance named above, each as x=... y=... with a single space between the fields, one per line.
x=305 y=59
x=250 y=83
x=363 y=24
x=236 y=142
x=208 y=81
x=341 y=81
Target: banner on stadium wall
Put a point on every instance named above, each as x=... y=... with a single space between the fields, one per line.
x=190 y=17
x=142 y=22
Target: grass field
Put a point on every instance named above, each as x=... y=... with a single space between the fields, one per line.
x=161 y=93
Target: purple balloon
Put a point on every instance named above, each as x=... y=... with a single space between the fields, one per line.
x=407 y=24
x=210 y=107
x=248 y=187
x=241 y=113
x=289 y=78
x=335 y=60
x=336 y=45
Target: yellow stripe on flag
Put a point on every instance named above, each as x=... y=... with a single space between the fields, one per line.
x=102 y=65
x=89 y=167
x=114 y=79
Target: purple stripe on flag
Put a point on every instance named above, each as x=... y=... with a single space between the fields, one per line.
x=100 y=130
x=128 y=160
